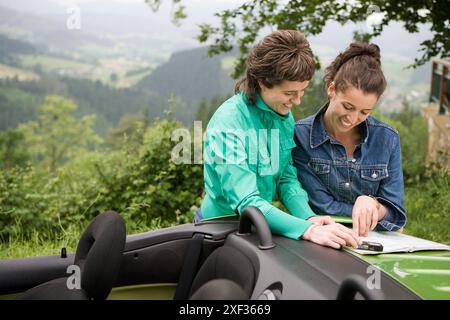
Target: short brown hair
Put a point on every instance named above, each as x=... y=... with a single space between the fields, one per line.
x=358 y=66
x=281 y=55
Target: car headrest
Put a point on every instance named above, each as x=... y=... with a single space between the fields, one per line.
x=99 y=253
x=230 y=264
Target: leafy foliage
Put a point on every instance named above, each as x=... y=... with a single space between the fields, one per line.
x=206 y=110
x=413 y=138
x=428 y=207
x=312 y=101
x=12 y=149
x=140 y=181
x=58 y=135
x=130 y=131
x=244 y=23
x=16 y=105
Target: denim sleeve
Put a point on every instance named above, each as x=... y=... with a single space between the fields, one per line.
x=391 y=192
x=320 y=199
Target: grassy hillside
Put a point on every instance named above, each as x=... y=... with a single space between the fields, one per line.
x=37 y=44
x=49 y=63
x=21 y=60
x=11 y=72
x=113 y=86
x=19 y=101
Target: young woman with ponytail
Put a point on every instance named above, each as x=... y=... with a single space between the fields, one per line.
x=348 y=161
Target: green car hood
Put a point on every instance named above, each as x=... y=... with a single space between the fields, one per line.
x=426 y=273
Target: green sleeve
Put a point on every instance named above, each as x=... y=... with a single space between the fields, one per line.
x=240 y=189
x=239 y=185
x=292 y=195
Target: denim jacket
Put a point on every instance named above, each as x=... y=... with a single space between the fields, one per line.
x=334 y=181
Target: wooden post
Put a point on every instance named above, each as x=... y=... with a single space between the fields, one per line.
x=442 y=89
x=433 y=70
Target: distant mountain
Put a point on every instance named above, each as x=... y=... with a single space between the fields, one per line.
x=123 y=37
x=49 y=33
x=10 y=47
x=106 y=29
x=191 y=75
x=20 y=100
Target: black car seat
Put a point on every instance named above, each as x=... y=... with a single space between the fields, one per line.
x=99 y=256
x=227 y=274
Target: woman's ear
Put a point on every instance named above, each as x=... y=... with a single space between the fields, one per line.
x=261 y=86
x=331 y=90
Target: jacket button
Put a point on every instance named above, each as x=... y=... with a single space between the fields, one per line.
x=374 y=175
x=347 y=185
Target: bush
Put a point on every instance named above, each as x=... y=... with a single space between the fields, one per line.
x=428 y=207
x=149 y=185
x=413 y=133
x=142 y=184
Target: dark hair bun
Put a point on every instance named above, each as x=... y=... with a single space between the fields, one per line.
x=353 y=65
x=362 y=49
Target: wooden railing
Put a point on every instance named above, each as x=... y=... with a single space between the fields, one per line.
x=440 y=85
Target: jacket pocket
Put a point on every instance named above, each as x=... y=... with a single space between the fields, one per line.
x=288 y=145
x=265 y=169
x=374 y=172
x=322 y=169
x=371 y=176
x=265 y=180
x=320 y=166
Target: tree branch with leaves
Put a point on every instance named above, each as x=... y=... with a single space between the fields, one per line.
x=241 y=26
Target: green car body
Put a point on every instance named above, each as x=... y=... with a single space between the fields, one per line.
x=426 y=273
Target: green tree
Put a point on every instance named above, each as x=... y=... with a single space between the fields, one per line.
x=413 y=132
x=244 y=23
x=129 y=132
x=57 y=134
x=314 y=98
x=207 y=109
x=12 y=149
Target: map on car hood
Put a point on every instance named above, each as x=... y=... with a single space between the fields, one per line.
x=398 y=242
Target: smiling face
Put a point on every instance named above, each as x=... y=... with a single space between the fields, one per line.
x=281 y=98
x=347 y=109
